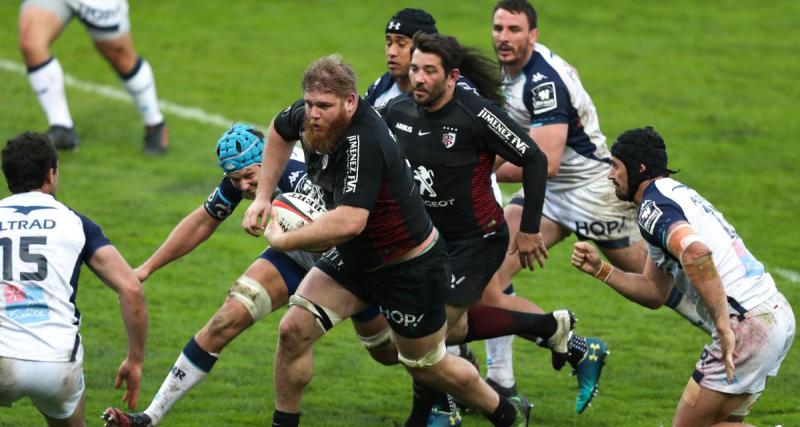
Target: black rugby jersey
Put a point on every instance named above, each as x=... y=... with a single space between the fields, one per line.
x=451 y=152
x=367 y=170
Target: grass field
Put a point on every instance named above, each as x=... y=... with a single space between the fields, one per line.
x=717 y=79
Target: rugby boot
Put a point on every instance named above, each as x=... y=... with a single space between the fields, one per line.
x=559 y=341
x=156 y=139
x=523 y=410
x=63 y=138
x=502 y=391
x=114 y=417
x=444 y=418
x=588 y=372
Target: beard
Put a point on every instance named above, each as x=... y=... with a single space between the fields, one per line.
x=433 y=95
x=516 y=53
x=324 y=137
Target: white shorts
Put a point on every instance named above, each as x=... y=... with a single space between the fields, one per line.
x=55 y=388
x=593 y=212
x=104 y=19
x=763 y=338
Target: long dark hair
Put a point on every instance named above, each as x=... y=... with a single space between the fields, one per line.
x=479 y=69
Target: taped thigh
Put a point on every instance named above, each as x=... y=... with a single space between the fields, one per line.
x=433 y=357
x=378 y=340
x=253 y=296
x=326 y=318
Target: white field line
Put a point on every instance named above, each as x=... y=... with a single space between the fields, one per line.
x=188 y=113
x=787 y=274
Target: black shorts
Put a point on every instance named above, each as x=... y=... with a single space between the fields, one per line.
x=411 y=295
x=473 y=263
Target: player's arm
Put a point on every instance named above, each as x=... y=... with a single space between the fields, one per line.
x=193 y=230
x=551 y=139
x=108 y=264
x=698 y=264
x=277 y=151
x=329 y=229
x=508 y=140
x=649 y=289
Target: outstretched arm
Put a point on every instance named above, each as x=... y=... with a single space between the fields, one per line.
x=193 y=230
x=115 y=272
x=649 y=289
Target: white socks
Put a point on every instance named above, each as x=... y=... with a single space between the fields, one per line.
x=192 y=366
x=47 y=81
x=499 y=363
x=141 y=84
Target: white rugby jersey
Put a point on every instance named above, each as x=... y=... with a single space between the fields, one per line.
x=666 y=201
x=548 y=91
x=43 y=244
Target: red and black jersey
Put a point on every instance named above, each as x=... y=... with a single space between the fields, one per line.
x=451 y=152
x=367 y=170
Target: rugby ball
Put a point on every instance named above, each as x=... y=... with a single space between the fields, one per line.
x=294 y=210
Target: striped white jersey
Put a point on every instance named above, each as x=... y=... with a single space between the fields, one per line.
x=548 y=91
x=43 y=245
x=666 y=201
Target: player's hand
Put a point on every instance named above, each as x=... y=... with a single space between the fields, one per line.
x=727 y=341
x=585 y=258
x=274 y=235
x=141 y=273
x=255 y=217
x=529 y=246
x=131 y=373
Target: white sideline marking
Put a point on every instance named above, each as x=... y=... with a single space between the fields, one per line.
x=188 y=113
x=789 y=275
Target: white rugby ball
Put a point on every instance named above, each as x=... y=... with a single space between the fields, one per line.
x=294 y=210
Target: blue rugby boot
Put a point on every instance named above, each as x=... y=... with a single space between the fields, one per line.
x=442 y=418
x=588 y=372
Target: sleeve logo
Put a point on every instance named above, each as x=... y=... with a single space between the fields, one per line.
x=649 y=215
x=544 y=98
x=501 y=130
x=351 y=179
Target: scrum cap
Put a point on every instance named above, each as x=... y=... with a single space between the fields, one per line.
x=239 y=147
x=408 y=21
x=641 y=147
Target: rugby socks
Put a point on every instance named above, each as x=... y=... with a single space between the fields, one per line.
x=192 y=366
x=424 y=399
x=285 y=419
x=678 y=302
x=499 y=356
x=47 y=81
x=504 y=415
x=490 y=322
x=141 y=84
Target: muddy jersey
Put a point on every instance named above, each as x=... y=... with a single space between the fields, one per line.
x=366 y=169
x=452 y=151
x=43 y=245
x=665 y=202
x=548 y=91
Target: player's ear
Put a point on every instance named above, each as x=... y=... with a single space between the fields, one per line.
x=351 y=102
x=453 y=75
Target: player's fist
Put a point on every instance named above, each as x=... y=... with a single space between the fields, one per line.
x=255 y=217
x=585 y=258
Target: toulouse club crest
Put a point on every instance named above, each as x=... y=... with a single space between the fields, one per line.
x=449 y=136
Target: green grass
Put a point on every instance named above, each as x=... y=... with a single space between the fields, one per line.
x=718 y=79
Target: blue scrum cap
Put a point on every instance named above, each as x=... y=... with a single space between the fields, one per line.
x=239 y=147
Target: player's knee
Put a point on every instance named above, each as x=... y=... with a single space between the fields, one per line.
x=425 y=362
x=32 y=49
x=252 y=296
x=230 y=320
x=296 y=331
